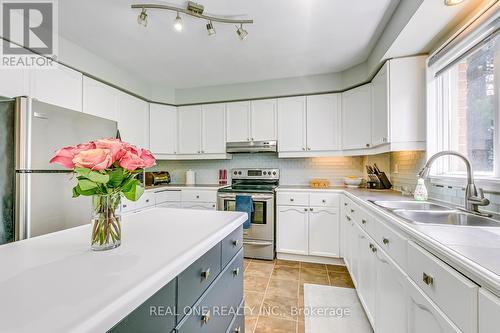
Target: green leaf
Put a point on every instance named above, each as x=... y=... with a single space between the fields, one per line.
x=135 y=192
x=82 y=172
x=129 y=183
x=86 y=184
x=80 y=191
x=75 y=192
x=98 y=177
x=115 y=177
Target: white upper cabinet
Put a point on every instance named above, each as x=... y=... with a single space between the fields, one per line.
x=189 y=129
x=133 y=120
x=292 y=124
x=59 y=86
x=213 y=129
x=323 y=122
x=238 y=121
x=380 y=107
x=263 y=120
x=13 y=81
x=99 y=99
x=163 y=129
x=356 y=118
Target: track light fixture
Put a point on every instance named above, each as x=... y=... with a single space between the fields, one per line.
x=195 y=10
x=178 y=23
x=142 y=19
x=242 y=33
x=210 y=28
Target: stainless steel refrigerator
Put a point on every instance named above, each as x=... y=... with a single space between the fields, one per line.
x=36 y=195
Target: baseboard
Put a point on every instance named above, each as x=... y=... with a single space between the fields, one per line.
x=313 y=259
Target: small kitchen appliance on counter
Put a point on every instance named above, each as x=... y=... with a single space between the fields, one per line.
x=157 y=178
x=260 y=184
x=377 y=180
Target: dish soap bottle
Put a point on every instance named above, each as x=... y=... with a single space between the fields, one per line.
x=420 y=191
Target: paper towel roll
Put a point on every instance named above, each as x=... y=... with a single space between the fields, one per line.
x=190 y=177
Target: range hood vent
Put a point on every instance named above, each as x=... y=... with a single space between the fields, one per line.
x=251 y=147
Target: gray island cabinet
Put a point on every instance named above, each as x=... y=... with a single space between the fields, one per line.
x=206 y=297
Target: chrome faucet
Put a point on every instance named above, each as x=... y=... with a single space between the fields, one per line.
x=474 y=197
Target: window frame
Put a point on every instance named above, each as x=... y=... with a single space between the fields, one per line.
x=438 y=103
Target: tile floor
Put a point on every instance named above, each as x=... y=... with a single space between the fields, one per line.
x=274 y=292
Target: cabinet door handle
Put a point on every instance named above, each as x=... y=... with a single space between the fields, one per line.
x=205 y=317
x=303 y=148
x=428 y=279
x=237 y=330
x=324 y=201
x=236 y=271
x=385 y=241
x=363 y=221
x=251 y=139
x=352 y=210
x=348 y=218
x=292 y=199
x=373 y=248
x=147 y=200
x=197 y=197
x=345 y=203
x=205 y=274
x=236 y=242
x=311 y=209
x=368 y=145
x=305 y=209
x=308 y=148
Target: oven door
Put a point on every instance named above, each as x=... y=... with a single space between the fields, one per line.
x=262 y=219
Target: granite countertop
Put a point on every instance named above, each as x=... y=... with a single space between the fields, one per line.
x=55 y=283
x=473 y=251
x=184 y=186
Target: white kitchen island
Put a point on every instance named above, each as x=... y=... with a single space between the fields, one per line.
x=55 y=283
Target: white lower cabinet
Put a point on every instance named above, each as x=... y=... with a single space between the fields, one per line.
x=423 y=315
x=391 y=296
x=323 y=232
x=367 y=273
x=292 y=230
x=489 y=312
x=199 y=205
x=307 y=229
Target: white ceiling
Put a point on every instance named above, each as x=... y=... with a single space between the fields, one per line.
x=288 y=38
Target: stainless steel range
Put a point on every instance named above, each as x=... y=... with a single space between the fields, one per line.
x=258 y=240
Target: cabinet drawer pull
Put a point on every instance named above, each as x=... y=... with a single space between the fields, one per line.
x=147 y=200
x=352 y=210
x=385 y=241
x=237 y=330
x=305 y=209
x=311 y=209
x=324 y=201
x=373 y=248
x=428 y=280
x=363 y=221
x=197 y=197
x=205 y=317
x=345 y=203
x=236 y=242
x=236 y=271
x=292 y=199
x=205 y=274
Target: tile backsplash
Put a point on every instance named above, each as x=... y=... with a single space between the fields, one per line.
x=294 y=171
x=401 y=167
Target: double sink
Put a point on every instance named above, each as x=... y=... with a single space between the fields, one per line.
x=425 y=212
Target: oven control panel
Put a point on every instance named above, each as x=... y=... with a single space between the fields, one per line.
x=255 y=173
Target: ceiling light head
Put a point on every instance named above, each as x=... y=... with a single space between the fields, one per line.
x=178 y=23
x=142 y=19
x=452 y=2
x=242 y=33
x=210 y=28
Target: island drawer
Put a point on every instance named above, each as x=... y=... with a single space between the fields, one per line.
x=293 y=198
x=195 y=279
x=199 y=196
x=214 y=312
x=453 y=293
x=156 y=315
x=231 y=245
x=324 y=199
x=238 y=323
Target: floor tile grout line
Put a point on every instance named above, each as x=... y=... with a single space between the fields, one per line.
x=263 y=298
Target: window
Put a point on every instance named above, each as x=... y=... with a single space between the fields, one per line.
x=466 y=117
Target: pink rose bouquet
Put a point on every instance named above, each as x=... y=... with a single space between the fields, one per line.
x=105 y=167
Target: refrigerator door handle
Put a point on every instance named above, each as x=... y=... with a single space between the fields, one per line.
x=22 y=225
x=40 y=115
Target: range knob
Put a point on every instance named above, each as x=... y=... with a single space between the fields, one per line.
x=274 y=173
x=239 y=173
x=264 y=173
x=235 y=172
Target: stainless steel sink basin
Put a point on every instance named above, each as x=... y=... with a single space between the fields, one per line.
x=447 y=218
x=410 y=205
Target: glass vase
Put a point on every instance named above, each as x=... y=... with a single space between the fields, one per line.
x=106 y=222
